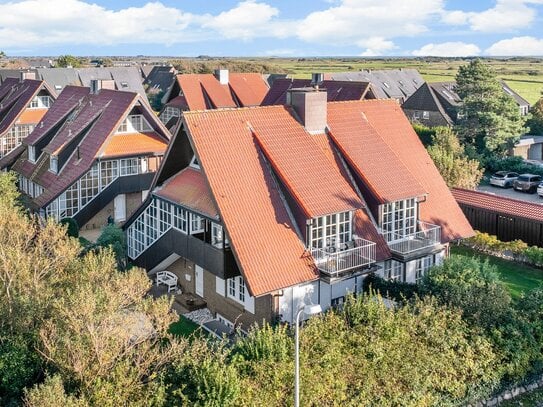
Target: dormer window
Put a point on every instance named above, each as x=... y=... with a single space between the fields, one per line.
x=53 y=164
x=398 y=219
x=134 y=123
x=32 y=154
x=40 y=102
x=330 y=231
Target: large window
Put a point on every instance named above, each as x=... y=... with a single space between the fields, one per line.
x=422 y=267
x=89 y=185
x=180 y=218
x=134 y=123
x=14 y=137
x=330 y=231
x=29 y=187
x=216 y=235
x=130 y=166
x=399 y=219
x=168 y=113
x=197 y=224
x=109 y=171
x=41 y=102
x=394 y=270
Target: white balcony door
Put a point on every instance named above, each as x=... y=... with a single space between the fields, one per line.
x=119 y=205
x=199 y=280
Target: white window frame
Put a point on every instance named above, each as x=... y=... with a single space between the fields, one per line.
x=394 y=270
x=398 y=219
x=53 y=164
x=333 y=230
x=425 y=115
x=32 y=154
x=197 y=224
x=237 y=290
x=134 y=123
x=422 y=265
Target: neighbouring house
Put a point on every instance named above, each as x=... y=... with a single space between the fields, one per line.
x=396 y=84
x=212 y=91
x=119 y=78
x=92 y=157
x=438 y=104
x=337 y=91
x=159 y=80
x=23 y=103
x=433 y=104
x=508 y=219
x=258 y=210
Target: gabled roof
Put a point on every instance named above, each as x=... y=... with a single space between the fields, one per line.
x=336 y=90
x=159 y=79
x=90 y=120
x=499 y=204
x=425 y=99
x=369 y=155
x=15 y=95
x=189 y=188
x=204 y=91
x=440 y=208
x=519 y=99
x=386 y=83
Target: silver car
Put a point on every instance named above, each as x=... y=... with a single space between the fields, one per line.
x=503 y=179
x=540 y=190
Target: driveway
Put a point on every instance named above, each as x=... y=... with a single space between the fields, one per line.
x=511 y=193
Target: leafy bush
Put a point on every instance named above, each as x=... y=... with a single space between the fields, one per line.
x=113 y=237
x=516 y=164
x=72 y=227
x=426 y=134
x=396 y=290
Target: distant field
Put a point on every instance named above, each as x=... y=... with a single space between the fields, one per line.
x=525 y=76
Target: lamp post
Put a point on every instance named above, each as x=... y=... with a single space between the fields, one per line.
x=308 y=310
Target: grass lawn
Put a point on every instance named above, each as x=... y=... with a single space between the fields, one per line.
x=518 y=277
x=184 y=327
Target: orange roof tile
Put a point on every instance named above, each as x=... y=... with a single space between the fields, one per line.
x=263 y=236
x=31 y=116
x=189 y=188
x=132 y=144
x=440 y=207
x=250 y=88
x=371 y=158
x=313 y=180
x=218 y=94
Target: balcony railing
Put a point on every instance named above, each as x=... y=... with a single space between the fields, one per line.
x=336 y=260
x=427 y=235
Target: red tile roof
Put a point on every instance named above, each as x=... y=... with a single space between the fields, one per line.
x=369 y=155
x=249 y=88
x=204 y=91
x=498 y=204
x=189 y=188
x=263 y=236
x=440 y=208
x=312 y=179
x=129 y=144
x=31 y=116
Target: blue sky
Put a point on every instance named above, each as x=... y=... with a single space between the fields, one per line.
x=272 y=27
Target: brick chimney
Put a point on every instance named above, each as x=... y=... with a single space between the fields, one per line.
x=311 y=106
x=222 y=76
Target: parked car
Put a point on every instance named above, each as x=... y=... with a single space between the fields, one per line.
x=540 y=190
x=527 y=183
x=503 y=179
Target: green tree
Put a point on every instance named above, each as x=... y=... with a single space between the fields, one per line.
x=66 y=61
x=535 y=122
x=490 y=120
x=2 y=54
x=450 y=159
x=113 y=237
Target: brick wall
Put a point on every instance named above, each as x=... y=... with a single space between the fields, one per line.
x=133 y=201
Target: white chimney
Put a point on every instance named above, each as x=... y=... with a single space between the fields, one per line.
x=27 y=75
x=222 y=76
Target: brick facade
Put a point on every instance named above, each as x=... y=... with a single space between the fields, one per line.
x=133 y=202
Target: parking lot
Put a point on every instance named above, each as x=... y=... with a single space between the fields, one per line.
x=511 y=193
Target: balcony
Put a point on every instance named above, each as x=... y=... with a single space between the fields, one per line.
x=334 y=261
x=427 y=237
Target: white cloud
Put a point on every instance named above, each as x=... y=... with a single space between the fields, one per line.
x=353 y=20
x=517 y=46
x=375 y=46
x=56 y=22
x=249 y=19
x=506 y=15
x=448 y=49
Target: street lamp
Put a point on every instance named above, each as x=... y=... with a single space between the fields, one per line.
x=307 y=310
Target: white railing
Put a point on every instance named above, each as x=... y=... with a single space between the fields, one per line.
x=336 y=260
x=427 y=235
